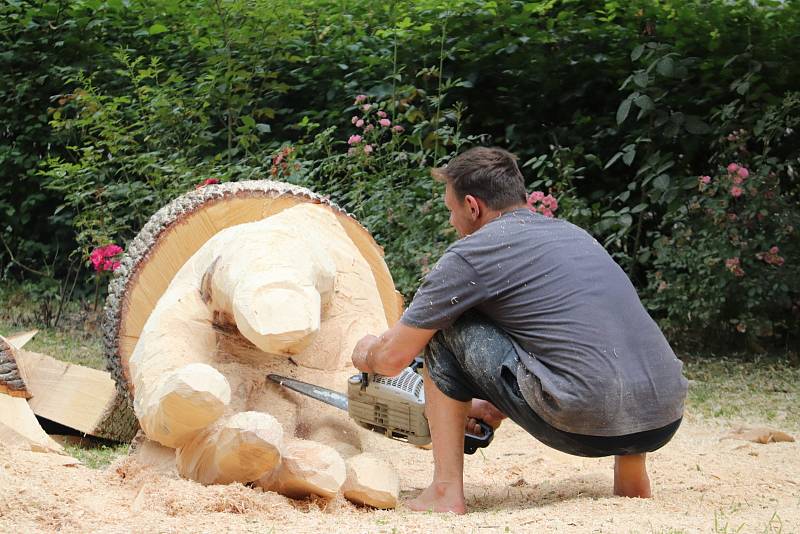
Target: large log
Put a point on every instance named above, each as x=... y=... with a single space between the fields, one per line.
x=175 y=233
x=224 y=286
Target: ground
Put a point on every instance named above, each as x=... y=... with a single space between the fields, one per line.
x=701 y=483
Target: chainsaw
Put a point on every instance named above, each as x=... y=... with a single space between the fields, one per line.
x=390 y=405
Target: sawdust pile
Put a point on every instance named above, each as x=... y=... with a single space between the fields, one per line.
x=517 y=484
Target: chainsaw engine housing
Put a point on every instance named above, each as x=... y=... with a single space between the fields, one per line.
x=390 y=405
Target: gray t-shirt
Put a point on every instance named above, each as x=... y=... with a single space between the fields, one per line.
x=592 y=360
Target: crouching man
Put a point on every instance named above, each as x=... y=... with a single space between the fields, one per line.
x=529 y=317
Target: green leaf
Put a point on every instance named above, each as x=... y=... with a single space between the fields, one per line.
x=639 y=207
x=645 y=102
x=613 y=159
x=629 y=156
x=623 y=110
x=743 y=87
x=263 y=128
x=695 y=125
x=666 y=66
x=157 y=28
x=637 y=52
x=661 y=182
x=641 y=79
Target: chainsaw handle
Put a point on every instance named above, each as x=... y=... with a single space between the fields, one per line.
x=472 y=442
x=417 y=364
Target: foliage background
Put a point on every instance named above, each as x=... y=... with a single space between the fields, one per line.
x=111 y=108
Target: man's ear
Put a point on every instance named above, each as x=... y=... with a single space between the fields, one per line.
x=475 y=206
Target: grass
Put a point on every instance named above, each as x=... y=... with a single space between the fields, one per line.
x=764 y=389
x=96 y=456
x=81 y=344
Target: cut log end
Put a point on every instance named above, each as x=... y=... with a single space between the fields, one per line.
x=372 y=482
x=242 y=448
x=188 y=400
x=308 y=468
x=11 y=382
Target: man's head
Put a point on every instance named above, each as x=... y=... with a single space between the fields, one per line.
x=480 y=184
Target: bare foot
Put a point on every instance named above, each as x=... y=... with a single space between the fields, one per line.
x=440 y=497
x=630 y=476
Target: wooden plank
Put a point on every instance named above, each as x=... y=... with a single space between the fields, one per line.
x=21 y=338
x=19 y=427
x=69 y=394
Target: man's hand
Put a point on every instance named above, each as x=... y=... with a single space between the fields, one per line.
x=392 y=351
x=486 y=412
x=360 y=352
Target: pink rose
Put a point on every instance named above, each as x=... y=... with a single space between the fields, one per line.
x=385 y=123
x=774 y=250
x=397 y=128
x=369 y=127
x=744 y=173
x=355 y=119
x=367 y=149
x=354 y=139
x=732 y=168
x=382 y=114
x=366 y=107
x=737 y=179
x=360 y=99
x=550 y=201
x=705 y=179
x=546 y=212
x=112 y=250
x=102 y=258
x=96 y=257
x=359 y=123
x=736 y=191
x=536 y=196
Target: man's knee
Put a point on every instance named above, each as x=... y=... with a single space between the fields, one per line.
x=444 y=369
x=467 y=335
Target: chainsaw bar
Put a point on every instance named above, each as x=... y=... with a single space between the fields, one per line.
x=328 y=396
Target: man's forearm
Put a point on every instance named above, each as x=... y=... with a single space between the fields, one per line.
x=392 y=351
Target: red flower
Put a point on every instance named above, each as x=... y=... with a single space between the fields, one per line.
x=207 y=181
x=103 y=258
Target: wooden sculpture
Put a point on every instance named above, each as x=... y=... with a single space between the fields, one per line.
x=230 y=283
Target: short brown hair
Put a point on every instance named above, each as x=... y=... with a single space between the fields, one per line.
x=490 y=174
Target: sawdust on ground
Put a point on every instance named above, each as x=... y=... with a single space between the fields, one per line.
x=701 y=484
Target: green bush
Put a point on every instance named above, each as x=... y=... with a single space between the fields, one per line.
x=381 y=174
x=113 y=108
x=726 y=264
